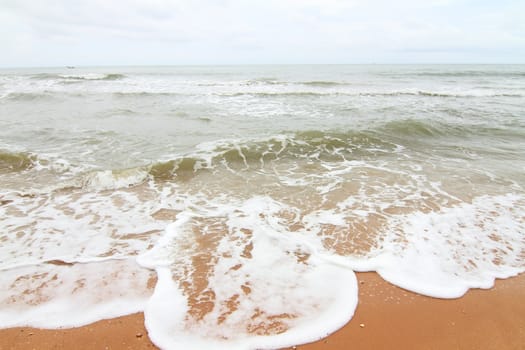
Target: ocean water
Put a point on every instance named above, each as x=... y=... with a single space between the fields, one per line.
x=234 y=204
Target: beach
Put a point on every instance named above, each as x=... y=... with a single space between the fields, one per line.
x=255 y=207
x=386 y=318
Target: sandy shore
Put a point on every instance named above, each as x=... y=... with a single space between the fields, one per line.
x=387 y=317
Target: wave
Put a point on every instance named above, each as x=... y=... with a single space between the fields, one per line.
x=182 y=168
x=242 y=155
x=111 y=179
x=14 y=162
x=507 y=71
x=472 y=73
x=372 y=94
x=28 y=96
x=321 y=83
x=80 y=77
x=41 y=95
x=140 y=94
x=233 y=155
x=324 y=147
x=275 y=81
x=277 y=94
x=264 y=81
x=441 y=94
x=418 y=128
x=307 y=93
x=94 y=77
x=304 y=145
x=401 y=131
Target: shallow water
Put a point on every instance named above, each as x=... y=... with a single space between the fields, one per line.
x=233 y=204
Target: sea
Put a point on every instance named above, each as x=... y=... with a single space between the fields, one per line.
x=233 y=205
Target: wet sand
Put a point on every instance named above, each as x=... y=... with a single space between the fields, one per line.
x=387 y=317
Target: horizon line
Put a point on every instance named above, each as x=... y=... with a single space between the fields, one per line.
x=72 y=66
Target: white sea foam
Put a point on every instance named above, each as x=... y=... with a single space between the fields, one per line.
x=75 y=227
x=443 y=254
x=264 y=290
x=440 y=254
x=55 y=296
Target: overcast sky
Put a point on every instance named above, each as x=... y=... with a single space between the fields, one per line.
x=152 y=32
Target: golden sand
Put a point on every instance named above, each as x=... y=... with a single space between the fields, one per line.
x=387 y=317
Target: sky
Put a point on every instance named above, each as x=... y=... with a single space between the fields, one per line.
x=172 y=32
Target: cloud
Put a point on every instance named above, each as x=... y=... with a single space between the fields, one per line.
x=81 y=32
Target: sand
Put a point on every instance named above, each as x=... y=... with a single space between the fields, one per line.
x=387 y=317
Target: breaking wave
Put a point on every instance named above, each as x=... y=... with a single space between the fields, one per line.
x=322 y=83
x=14 y=162
x=466 y=94
x=237 y=155
x=473 y=73
x=79 y=77
x=29 y=96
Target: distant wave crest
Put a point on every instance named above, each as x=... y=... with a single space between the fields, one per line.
x=79 y=77
x=373 y=94
x=322 y=83
x=472 y=73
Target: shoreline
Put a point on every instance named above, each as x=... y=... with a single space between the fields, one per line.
x=386 y=317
